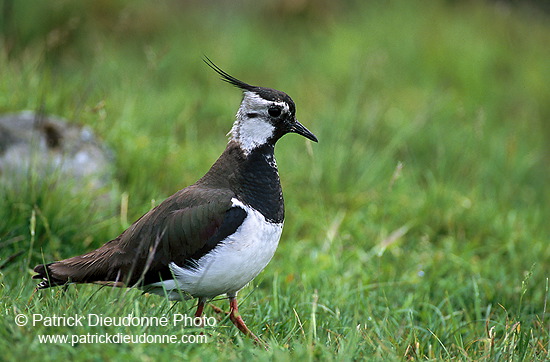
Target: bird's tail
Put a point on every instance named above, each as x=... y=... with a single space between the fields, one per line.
x=49 y=278
x=94 y=267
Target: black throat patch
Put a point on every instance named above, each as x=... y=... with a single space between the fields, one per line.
x=260 y=185
x=252 y=177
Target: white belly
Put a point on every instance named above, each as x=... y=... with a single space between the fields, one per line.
x=231 y=265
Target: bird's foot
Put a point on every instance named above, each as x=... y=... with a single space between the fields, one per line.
x=239 y=323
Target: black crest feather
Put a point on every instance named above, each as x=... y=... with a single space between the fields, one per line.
x=229 y=78
x=266 y=93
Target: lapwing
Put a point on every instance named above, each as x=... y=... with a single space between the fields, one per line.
x=210 y=238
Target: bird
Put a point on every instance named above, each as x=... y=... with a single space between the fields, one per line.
x=213 y=237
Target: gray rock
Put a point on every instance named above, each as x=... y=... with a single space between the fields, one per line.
x=50 y=147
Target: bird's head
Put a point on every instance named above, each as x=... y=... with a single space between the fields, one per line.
x=265 y=114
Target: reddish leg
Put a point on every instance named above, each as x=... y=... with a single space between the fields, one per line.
x=198 y=313
x=238 y=321
x=200 y=308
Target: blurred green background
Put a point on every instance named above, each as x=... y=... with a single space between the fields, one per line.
x=416 y=228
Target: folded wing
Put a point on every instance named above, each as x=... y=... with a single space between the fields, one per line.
x=181 y=229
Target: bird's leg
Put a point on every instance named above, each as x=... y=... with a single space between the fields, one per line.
x=200 y=308
x=198 y=313
x=238 y=321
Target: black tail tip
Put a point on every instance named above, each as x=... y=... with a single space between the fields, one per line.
x=41 y=270
x=44 y=273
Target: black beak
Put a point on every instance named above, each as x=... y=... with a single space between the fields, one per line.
x=297 y=127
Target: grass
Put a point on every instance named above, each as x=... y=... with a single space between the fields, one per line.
x=416 y=228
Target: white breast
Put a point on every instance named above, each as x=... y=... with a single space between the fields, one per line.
x=232 y=264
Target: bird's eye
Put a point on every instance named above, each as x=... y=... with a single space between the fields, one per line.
x=274 y=111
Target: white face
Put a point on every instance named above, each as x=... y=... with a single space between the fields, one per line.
x=253 y=127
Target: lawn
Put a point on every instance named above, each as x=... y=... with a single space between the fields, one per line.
x=417 y=228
